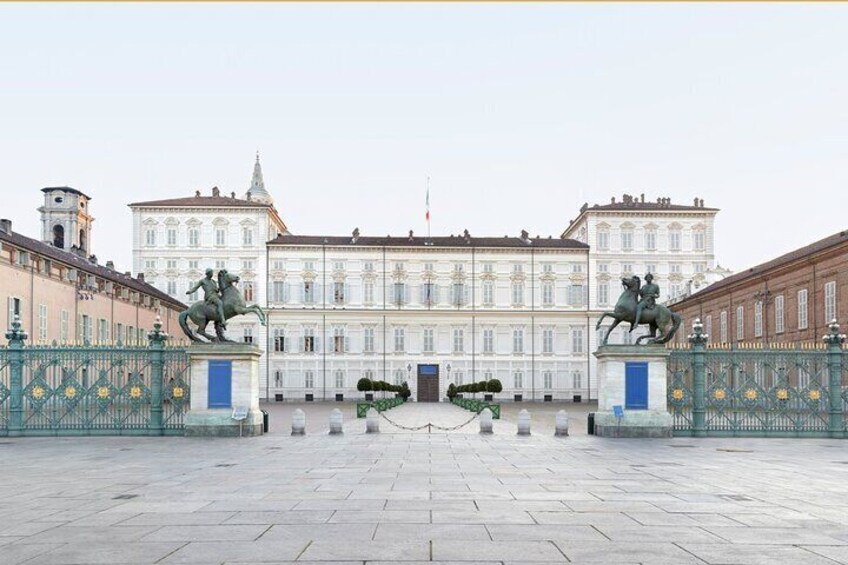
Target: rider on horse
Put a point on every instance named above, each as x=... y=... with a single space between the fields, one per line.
x=210 y=294
x=648 y=295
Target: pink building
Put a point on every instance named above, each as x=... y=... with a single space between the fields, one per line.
x=63 y=295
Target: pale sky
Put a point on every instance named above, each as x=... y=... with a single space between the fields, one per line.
x=519 y=113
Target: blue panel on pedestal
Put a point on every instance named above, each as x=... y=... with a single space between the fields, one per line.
x=636 y=385
x=220 y=384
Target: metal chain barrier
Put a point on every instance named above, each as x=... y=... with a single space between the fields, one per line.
x=428 y=425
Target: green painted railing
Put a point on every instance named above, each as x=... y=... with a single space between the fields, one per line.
x=92 y=390
x=478 y=406
x=753 y=390
x=381 y=405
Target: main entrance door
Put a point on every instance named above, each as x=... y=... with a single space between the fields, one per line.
x=428 y=383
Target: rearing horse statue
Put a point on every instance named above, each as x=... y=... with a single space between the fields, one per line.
x=658 y=318
x=202 y=312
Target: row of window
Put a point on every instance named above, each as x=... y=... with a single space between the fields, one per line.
x=429 y=294
x=653 y=268
x=830 y=313
x=308 y=342
x=342 y=380
x=87 y=326
x=626 y=239
x=485 y=267
x=194 y=237
x=152 y=265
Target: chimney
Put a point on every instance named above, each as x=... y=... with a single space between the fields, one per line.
x=6 y=226
x=110 y=265
x=140 y=277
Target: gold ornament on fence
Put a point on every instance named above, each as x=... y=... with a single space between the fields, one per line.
x=814 y=394
x=178 y=392
x=38 y=392
x=135 y=392
x=70 y=392
x=751 y=394
x=720 y=394
x=103 y=392
x=677 y=394
x=782 y=394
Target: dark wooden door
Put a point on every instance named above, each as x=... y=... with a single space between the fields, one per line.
x=428 y=383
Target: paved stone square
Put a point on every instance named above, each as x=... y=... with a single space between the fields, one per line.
x=402 y=497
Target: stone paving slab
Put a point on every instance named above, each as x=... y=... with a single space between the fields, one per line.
x=412 y=497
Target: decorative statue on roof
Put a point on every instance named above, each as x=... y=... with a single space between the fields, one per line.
x=637 y=305
x=221 y=301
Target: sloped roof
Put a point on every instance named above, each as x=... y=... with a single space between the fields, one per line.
x=649 y=206
x=65 y=189
x=203 y=202
x=77 y=262
x=439 y=241
x=777 y=262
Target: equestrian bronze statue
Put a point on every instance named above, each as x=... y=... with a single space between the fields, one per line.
x=637 y=305
x=221 y=301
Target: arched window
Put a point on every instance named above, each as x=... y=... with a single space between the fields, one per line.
x=82 y=242
x=59 y=236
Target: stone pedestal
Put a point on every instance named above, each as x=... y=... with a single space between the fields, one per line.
x=652 y=420
x=213 y=398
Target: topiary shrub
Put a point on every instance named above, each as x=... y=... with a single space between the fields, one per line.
x=405 y=393
x=452 y=390
x=364 y=385
x=494 y=386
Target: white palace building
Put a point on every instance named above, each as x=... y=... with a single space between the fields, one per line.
x=520 y=309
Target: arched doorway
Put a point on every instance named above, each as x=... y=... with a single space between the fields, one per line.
x=59 y=236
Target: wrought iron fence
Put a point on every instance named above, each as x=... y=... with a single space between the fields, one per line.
x=97 y=390
x=780 y=391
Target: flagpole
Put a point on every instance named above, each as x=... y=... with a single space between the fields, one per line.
x=428 y=207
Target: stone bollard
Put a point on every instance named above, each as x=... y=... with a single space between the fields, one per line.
x=486 y=421
x=336 y=421
x=561 y=423
x=524 y=423
x=298 y=422
x=372 y=421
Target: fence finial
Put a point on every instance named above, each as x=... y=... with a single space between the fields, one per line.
x=832 y=337
x=157 y=335
x=15 y=333
x=698 y=337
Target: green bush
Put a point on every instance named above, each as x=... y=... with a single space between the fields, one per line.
x=494 y=386
x=364 y=385
x=452 y=391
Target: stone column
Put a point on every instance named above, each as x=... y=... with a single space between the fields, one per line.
x=211 y=412
x=651 y=421
x=834 y=340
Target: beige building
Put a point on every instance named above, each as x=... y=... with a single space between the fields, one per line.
x=63 y=295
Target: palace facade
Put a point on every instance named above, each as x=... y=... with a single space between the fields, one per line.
x=520 y=309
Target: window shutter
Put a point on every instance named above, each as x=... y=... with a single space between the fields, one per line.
x=317 y=343
x=346 y=344
x=467 y=298
x=347 y=294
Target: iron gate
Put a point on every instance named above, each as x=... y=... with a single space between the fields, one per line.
x=754 y=390
x=93 y=390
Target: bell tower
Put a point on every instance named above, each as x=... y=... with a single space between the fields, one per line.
x=65 y=219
